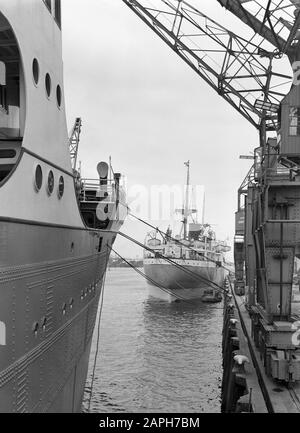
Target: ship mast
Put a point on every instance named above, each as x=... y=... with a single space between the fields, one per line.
x=186 y=207
x=203 y=209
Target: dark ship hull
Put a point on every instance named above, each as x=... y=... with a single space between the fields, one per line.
x=50 y=283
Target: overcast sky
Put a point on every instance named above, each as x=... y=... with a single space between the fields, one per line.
x=145 y=107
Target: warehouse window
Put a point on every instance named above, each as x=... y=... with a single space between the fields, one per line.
x=294 y=121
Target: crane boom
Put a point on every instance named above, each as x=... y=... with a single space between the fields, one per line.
x=238 y=69
x=277 y=21
x=74 y=142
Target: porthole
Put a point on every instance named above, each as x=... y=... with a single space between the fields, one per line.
x=61 y=187
x=50 y=184
x=44 y=321
x=58 y=95
x=48 y=84
x=38 y=180
x=35 y=71
x=35 y=328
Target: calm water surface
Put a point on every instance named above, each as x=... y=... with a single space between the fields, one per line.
x=154 y=356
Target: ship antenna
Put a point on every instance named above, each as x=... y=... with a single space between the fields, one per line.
x=186 y=207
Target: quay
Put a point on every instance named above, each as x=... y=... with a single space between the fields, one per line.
x=245 y=386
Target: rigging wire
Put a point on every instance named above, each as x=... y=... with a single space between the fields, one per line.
x=177 y=265
x=177 y=241
x=98 y=334
x=150 y=280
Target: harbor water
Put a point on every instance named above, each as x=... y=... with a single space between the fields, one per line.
x=154 y=356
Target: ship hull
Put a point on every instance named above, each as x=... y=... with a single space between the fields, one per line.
x=52 y=257
x=175 y=283
x=50 y=284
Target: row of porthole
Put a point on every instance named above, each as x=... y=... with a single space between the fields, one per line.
x=48 y=83
x=84 y=293
x=38 y=182
x=36 y=326
x=64 y=308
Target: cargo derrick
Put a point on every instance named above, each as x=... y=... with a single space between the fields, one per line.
x=247 y=74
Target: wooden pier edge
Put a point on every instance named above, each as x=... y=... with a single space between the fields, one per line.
x=245 y=385
x=241 y=390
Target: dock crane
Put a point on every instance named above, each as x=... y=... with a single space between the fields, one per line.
x=74 y=139
x=247 y=73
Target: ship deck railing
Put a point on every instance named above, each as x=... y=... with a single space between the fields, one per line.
x=198 y=254
x=92 y=190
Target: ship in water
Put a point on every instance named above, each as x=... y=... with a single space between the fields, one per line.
x=189 y=265
x=56 y=229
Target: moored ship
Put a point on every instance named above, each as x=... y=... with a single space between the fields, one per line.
x=56 y=229
x=189 y=265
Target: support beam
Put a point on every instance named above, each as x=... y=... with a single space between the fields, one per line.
x=258 y=27
x=237 y=68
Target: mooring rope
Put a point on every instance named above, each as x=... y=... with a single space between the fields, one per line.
x=177 y=241
x=150 y=279
x=98 y=331
x=177 y=265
